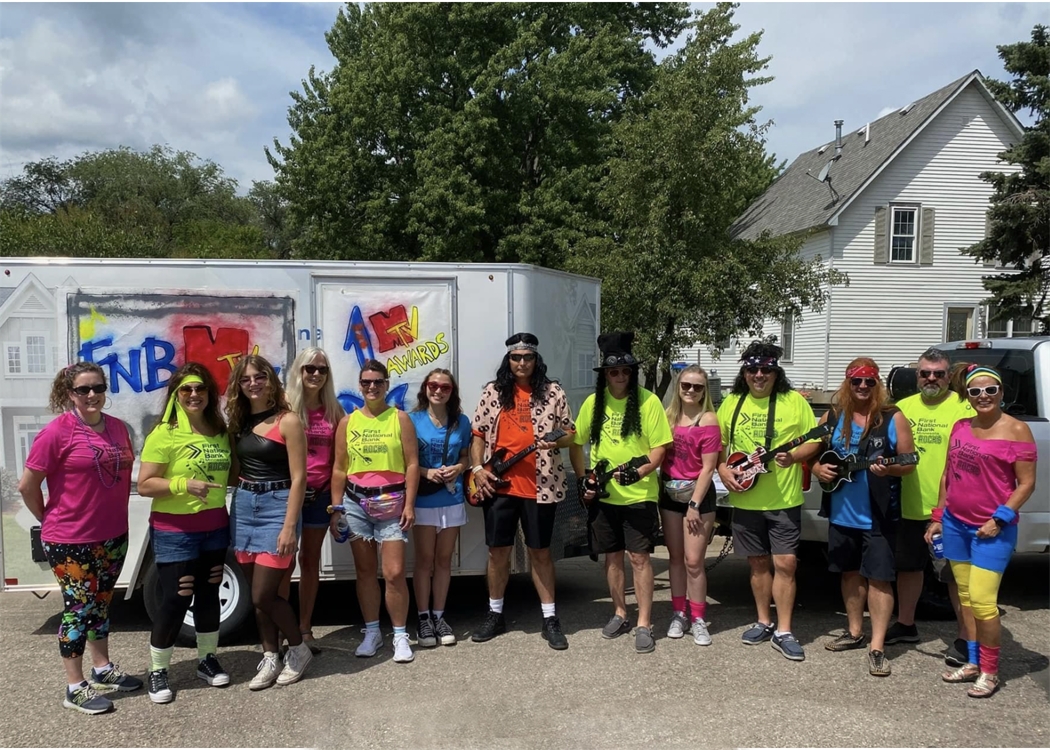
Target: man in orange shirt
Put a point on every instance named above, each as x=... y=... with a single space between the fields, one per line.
x=515 y=412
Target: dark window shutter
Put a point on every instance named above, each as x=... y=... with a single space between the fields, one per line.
x=987 y=231
x=926 y=243
x=882 y=239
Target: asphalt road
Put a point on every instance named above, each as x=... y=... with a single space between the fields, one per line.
x=516 y=692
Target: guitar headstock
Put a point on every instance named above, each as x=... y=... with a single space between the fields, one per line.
x=554 y=436
x=908 y=459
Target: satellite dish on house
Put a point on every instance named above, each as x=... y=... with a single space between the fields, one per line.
x=823 y=175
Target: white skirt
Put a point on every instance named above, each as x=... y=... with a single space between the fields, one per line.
x=445 y=517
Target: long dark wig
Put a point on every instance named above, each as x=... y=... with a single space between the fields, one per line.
x=632 y=417
x=505 y=381
x=766 y=350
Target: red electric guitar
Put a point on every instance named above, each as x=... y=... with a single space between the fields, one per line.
x=748 y=467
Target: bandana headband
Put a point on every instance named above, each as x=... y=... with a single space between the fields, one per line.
x=174 y=407
x=522 y=345
x=863 y=371
x=988 y=372
x=761 y=362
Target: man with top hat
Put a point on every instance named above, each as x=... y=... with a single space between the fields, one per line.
x=518 y=410
x=623 y=421
x=763 y=412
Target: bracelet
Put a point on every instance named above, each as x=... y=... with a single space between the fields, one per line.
x=1006 y=514
x=937 y=515
x=178 y=485
x=476 y=469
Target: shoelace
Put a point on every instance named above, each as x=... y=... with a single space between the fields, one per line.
x=271 y=660
x=158 y=679
x=84 y=694
x=443 y=628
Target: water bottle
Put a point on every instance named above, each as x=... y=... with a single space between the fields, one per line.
x=341 y=524
x=937 y=545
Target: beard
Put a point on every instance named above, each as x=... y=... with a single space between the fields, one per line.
x=932 y=391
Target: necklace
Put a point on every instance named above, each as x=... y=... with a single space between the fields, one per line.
x=97 y=452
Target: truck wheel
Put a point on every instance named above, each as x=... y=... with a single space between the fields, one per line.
x=235 y=601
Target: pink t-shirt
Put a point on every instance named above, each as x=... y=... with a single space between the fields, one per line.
x=88 y=479
x=683 y=458
x=320 y=450
x=980 y=473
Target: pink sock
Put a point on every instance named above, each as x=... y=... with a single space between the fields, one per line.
x=697 y=610
x=990 y=659
x=678 y=602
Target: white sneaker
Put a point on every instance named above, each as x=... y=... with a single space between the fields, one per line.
x=269 y=668
x=402 y=649
x=679 y=624
x=700 y=635
x=295 y=662
x=371 y=644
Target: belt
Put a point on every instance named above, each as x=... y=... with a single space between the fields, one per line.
x=373 y=491
x=260 y=487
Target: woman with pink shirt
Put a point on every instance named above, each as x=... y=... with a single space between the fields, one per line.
x=990 y=474
x=687 y=500
x=86 y=458
x=311 y=395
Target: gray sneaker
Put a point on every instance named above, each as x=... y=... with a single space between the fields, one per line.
x=700 y=635
x=616 y=627
x=757 y=633
x=679 y=625
x=87 y=700
x=425 y=636
x=644 y=643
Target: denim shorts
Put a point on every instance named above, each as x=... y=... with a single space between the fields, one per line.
x=961 y=544
x=256 y=520
x=315 y=513
x=361 y=524
x=183 y=546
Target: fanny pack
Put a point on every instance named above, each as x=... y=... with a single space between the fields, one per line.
x=382 y=506
x=680 y=490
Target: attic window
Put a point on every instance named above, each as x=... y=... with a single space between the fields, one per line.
x=906 y=109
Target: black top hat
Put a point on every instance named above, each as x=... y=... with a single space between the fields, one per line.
x=615 y=347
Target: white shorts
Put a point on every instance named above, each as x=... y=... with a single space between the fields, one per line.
x=445 y=517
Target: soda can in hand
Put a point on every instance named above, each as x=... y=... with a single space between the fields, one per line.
x=937 y=545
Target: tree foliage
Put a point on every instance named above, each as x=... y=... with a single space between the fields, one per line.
x=1019 y=217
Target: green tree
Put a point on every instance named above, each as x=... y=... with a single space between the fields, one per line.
x=689 y=156
x=467 y=132
x=1019 y=217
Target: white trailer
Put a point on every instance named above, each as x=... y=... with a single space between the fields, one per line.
x=141 y=319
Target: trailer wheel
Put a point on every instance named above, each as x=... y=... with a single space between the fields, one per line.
x=235 y=601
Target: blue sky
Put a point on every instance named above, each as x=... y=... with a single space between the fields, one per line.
x=214 y=78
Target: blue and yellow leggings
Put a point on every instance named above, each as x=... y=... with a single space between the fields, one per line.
x=978 y=564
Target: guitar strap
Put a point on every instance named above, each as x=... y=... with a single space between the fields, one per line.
x=771 y=415
x=444 y=449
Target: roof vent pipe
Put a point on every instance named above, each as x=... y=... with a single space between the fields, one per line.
x=838 y=138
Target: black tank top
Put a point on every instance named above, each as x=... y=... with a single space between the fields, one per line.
x=262 y=459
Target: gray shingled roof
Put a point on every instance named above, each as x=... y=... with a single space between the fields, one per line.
x=796 y=201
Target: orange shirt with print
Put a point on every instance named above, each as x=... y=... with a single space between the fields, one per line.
x=515 y=433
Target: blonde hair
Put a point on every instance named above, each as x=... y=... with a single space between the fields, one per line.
x=333 y=412
x=674 y=409
x=844 y=400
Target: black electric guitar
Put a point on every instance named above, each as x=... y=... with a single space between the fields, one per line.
x=747 y=467
x=845 y=466
x=499 y=463
x=598 y=477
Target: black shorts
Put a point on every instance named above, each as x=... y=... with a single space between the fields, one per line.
x=870 y=552
x=913 y=553
x=502 y=514
x=615 y=528
x=707 y=505
x=757 y=533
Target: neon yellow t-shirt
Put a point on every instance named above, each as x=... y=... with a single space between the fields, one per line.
x=616 y=450
x=780 y=488
x=930 y=428
x=374 y=444
x=193 y=456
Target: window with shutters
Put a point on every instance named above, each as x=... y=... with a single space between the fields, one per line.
x=904 y=233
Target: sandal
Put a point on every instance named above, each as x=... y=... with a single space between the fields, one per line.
x=965 y=673
x=985 y=687
x=308 y=639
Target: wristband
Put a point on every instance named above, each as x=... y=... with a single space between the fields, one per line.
x=1006 y=514
x=937 y=515
x=476 y=469
x=178 y=485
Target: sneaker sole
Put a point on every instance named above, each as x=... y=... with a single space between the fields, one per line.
x=103 y=687
x=476 y=639
x=954 y=661
x=555 y=646
x=448 y=640
x=624 y=630
x=903 y=639
x=162 y=698
x=706 y=642
x=756 y=643
x=220 y=680
x=647 y=650
x=873 y=673
x=427 y=642
x=264 y=686
x=365 y=654
x=403 y=660
x=790 y=657
x=89 y=711
x=839 y=648
x=675 y=636
x=289 y=681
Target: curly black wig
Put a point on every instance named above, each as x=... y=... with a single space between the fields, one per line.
x=765 y=350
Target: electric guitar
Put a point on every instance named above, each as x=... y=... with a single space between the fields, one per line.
x=601 y=473
x=499 y=463
x=845 y=466
x=748 y=467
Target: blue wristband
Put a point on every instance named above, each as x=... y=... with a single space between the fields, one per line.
x=1005 y=513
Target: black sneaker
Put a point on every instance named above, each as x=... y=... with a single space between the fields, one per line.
x=552 y=634
x=87 y=700
x=425 y=637
x=958 y=654
x=159 y=692
x=494 y=625
x=209 y=670
x=113 y=679
x=900 y=633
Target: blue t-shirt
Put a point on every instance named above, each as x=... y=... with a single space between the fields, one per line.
x=851 y=503
x=431 y=440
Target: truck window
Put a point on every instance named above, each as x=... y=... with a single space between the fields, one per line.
x=1017 y=366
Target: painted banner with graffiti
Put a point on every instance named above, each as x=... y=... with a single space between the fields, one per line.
x=142 y=339
x=408 y=326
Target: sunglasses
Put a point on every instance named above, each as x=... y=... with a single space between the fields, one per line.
x=314 y=369
x=927 y=374
x=259 y=377
x=858 y=382
x=439 y=387
x=367 y=383
x=191 y=390
x=761 y=369
x=618 y=372
x=697 y=387
x=522 y=357
x=83 y=390
x=990 y=390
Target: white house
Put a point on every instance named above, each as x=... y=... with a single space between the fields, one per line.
x=900 y=198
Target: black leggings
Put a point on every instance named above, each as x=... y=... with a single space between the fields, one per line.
x=182 y=582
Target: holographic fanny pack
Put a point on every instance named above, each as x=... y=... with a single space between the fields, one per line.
x=381 y=507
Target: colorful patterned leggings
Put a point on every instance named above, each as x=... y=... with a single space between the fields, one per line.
x=87 y=574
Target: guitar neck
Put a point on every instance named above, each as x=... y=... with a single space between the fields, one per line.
x=501 y=466
x=867 y=463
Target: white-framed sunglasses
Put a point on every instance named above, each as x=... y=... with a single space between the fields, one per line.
x=976 y=391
